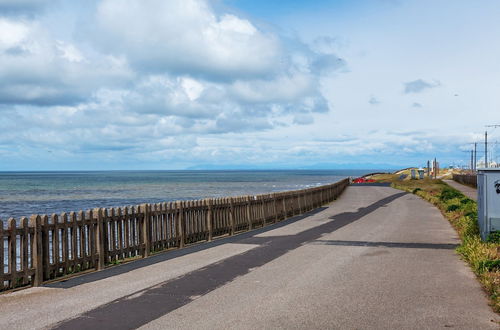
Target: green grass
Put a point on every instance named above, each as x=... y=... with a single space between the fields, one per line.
x=483 y=257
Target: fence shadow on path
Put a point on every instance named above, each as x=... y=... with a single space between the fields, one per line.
x=43 y=248
x=244 y=237
x=409 y=245
x=142 y=307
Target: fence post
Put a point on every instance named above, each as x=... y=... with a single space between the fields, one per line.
x=231 y=216
x=36 y=254
x=72 y=216
x=263 y=209
x=285 y=212
x=23 y=251
x=208 y=202
x=45 y=246
x=299 y=204
x=303 y=204
x=106 y=234
x=65 y=246
x=180 y=224
x=12 y=252
x=100 y=240
x=144 y=209
x=2 y=265
x=249 y=216
x=275 y=208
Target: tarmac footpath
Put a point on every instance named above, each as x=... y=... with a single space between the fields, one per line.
x=466 y=190
x=377 y=258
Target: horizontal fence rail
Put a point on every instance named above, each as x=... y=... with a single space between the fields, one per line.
x=43 y=248
x=468 y=179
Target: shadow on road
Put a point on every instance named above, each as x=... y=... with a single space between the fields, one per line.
x=361 y=212
x=175 y=253
x=142 y=307
x=372 y=184
x=388 y=244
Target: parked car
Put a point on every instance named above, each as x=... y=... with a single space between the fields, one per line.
x=363 y=180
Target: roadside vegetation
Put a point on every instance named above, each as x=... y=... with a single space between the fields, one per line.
x=461 y=211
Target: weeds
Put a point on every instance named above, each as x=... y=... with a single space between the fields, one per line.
x=494 y=237
x=449 y=193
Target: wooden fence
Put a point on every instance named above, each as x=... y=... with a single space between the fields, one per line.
x=468 y=179
x=43 y=248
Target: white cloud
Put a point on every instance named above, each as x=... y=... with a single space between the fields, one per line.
x=303 y=119
x=39 y=70
x=186 y=37
x=11 y=33
x=154 y=78
x=192 y=88
x=69 y=52
x=286 y=88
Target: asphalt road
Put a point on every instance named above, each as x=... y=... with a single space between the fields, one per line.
x=466 y=190
x=376 y=258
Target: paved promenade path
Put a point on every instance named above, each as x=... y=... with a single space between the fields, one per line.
x=466 y=190
x=377 y=258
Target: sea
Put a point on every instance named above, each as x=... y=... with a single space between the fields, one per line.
x=26 y=193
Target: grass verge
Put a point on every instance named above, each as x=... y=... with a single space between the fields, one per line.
x=461 y=211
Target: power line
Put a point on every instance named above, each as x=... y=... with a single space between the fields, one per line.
x=474 y=156
x=471 y=163
x=486 y=144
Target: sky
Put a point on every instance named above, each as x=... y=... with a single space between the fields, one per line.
x=233 y=84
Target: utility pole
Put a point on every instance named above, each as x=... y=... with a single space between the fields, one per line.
x=475 y=155
x=472 y=160
x=435 y=168
x=486 y=149
x=486 y=145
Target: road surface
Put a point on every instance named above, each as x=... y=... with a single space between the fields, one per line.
x=376 y=258
x=466 y=190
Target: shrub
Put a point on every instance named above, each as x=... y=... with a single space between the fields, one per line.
x=493 y=237
x=466 y=201
x=489 y=265
x=471 y=214
x=452 y=207
x=416 y=190
x=448 y=193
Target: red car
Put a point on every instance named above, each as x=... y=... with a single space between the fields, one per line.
x=363 y=180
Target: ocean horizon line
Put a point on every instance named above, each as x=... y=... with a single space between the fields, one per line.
x=46 y=192
x=201 y=170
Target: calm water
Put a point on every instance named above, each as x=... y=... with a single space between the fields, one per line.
x=26 y=193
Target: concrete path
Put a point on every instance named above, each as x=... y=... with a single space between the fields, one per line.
x=377 y=258
x=466 y=190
